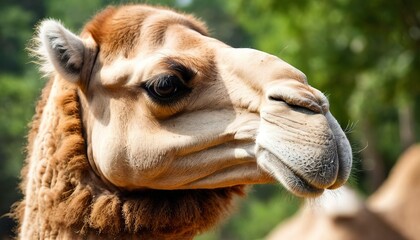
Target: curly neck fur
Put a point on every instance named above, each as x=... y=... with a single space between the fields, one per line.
x=64 y=198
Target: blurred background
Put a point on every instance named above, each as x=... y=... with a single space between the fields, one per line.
x=365 y=55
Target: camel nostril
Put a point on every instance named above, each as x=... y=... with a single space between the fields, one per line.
x=276 y=99
x=292 y=106
x=301 y=105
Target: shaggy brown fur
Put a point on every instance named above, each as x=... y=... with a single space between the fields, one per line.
x=71 y=196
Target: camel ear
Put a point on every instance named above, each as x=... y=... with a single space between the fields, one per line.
x=62 y=49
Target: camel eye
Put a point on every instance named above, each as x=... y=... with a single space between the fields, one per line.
x=166 y=89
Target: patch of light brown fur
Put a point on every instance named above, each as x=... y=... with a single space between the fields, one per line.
x=68 y=199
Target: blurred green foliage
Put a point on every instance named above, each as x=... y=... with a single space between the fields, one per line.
x=365 y=55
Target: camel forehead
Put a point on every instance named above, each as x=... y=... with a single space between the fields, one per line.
x=118 y=30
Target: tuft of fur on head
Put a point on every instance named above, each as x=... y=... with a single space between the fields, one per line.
x=140 y=23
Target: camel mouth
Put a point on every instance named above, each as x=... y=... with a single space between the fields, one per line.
x=294 y=182
x=306 y=153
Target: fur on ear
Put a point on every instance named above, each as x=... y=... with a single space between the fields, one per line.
x=59 y=50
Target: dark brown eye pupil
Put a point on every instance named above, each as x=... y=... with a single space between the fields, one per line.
x=165 y=87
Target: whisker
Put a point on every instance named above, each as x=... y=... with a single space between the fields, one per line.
x=350 y=127
x=362 y=149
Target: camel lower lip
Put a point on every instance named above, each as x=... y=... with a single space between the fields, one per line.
x=298 y=186
x=294 y=183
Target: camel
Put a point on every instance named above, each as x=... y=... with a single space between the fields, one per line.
x=396 y=201
x=149 y=128
x=392 y=212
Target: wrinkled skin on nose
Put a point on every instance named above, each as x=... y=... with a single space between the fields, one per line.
x=298 y=142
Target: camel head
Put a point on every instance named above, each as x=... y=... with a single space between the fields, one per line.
x=165 y=106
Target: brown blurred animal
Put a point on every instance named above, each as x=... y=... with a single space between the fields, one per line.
x=397 y=201
x=392 y=212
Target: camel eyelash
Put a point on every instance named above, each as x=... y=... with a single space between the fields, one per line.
x=186 y=73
